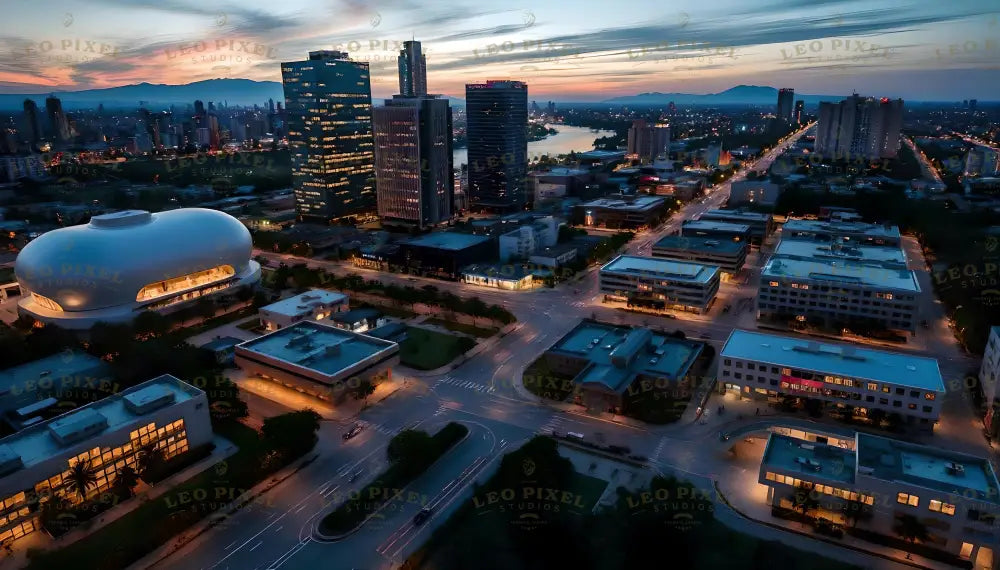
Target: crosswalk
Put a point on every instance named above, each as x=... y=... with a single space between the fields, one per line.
x=379 y=428
x=441 y=410
x=553 y=425
x=659 y=448
x=464 y=384
x=580 y=304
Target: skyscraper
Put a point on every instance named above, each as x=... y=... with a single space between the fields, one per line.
x=199 y=108
x=32 y=123
x=785 y=98
x=58 y=123
x=497 y=130
x=328 y=106
x=412 y=70
x=414 y=174
x=800 y=108
x=647 y=141
x=859 y=127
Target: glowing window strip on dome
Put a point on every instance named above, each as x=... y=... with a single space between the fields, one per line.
x=46 y=302
x=185 y=282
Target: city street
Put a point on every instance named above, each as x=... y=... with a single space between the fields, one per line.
x=484 y=392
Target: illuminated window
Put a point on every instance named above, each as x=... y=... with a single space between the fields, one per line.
x=46 y=302
x=185 y=282
x=773 y=283
x=929 y=396
x=906 y=499
x=872 y=386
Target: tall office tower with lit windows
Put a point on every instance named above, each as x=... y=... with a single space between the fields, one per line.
x=329 y=111
x=32 y=124
x=497 y=131
x=785 y=99
x=412 y=70
x=58 y=122
x=799 y=113
x=860 y=127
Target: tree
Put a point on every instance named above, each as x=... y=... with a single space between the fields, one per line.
x=149 y=459
x=910 y=529
x=205 y=307
x=125 y=481
x=224 y=400
x=292 y=434
x=151 y=323
x=814 y=407
x=365 y=388
x=82 y=477
x=804 y=501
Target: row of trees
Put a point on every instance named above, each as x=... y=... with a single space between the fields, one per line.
x=303 y=277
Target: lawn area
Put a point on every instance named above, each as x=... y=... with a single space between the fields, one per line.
x=389 y=311
x=252 y=325
x=426 y=350
x=463 y=328
x=6 y=275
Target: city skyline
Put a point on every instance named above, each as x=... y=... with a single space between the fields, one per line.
x=916 y=52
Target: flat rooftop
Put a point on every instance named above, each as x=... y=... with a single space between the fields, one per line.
x=836 y=359
x=946 y=471
x=640 y=203
x=835 y=463
x=323 y=348
x=653 y=266
x=834 y=227
x=842 y=271
x=715 y=225
x=447 y=240
x=56 y=367
x=838 y=250
x=700 y=244
x=646 y=352
x=503 y=271
x=720 y=214
x=37 y=443
x=305 y=302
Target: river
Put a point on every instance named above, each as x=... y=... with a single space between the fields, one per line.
x=568 y=139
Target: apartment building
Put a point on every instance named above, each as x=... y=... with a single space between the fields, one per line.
x=839 y=293
x=876 y=481
x=845 y=378
x=989 y=372
x=660 y=283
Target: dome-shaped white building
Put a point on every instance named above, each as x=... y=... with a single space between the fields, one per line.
x=127 y=262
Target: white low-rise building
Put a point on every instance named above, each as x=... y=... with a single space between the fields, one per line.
x=875 y=483
x=163 y=413
x=313 y=305
x=848 y=379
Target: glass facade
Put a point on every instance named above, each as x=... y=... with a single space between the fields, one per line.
x=497 y=131
x=328 y=101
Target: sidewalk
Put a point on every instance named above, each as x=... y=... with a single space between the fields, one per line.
x=40 y=540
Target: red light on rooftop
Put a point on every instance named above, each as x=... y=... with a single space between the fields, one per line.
x=885 y=99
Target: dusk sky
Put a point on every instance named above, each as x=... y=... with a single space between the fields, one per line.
x=580 y=50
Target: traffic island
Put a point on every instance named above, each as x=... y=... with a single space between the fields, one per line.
x=412 y=453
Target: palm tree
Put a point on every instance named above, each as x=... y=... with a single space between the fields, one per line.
x=148 y=458
x=125 y=481
x=910 y=529
x=82 y=476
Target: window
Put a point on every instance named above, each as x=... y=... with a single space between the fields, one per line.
x=728 y=362
x=914 y=394
x=929 y=396
x=738 y=376
x=927 y=409
x=886 y=388
x=872 y=386
x=869 y=399
x=939 y=507
x=900 y=391
x=905 y=499
x=774 y=370
x=912 y=406
x=750 y=366
x=883 y=401
x=897 y=404
x=739 y=365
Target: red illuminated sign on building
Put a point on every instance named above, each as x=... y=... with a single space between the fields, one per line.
x=793 y=381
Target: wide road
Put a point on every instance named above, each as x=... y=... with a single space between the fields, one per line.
x=483 y=393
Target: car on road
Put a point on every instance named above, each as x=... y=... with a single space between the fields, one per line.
x=422 y=516
x=355 y=430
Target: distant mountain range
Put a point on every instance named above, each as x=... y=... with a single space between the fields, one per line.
x=739 y=95
x=158 y=96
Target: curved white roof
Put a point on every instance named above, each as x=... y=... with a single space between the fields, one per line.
x=106 y=262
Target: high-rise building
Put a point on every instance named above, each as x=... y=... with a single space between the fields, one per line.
x=199 y=108
x=799 y=112
x=647 y=141
x=859 y=127
x=32 y=123
x=982 y=161
x=328 y=107
x=972 y=104
x=270 y=106
x=58 y=123
x=497 y=131
x=414 y=174
x=785 y=98
x=412 y=70
x=413 y=161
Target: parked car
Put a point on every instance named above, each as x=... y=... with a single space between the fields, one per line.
x=422 y=516
x=355 y=430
